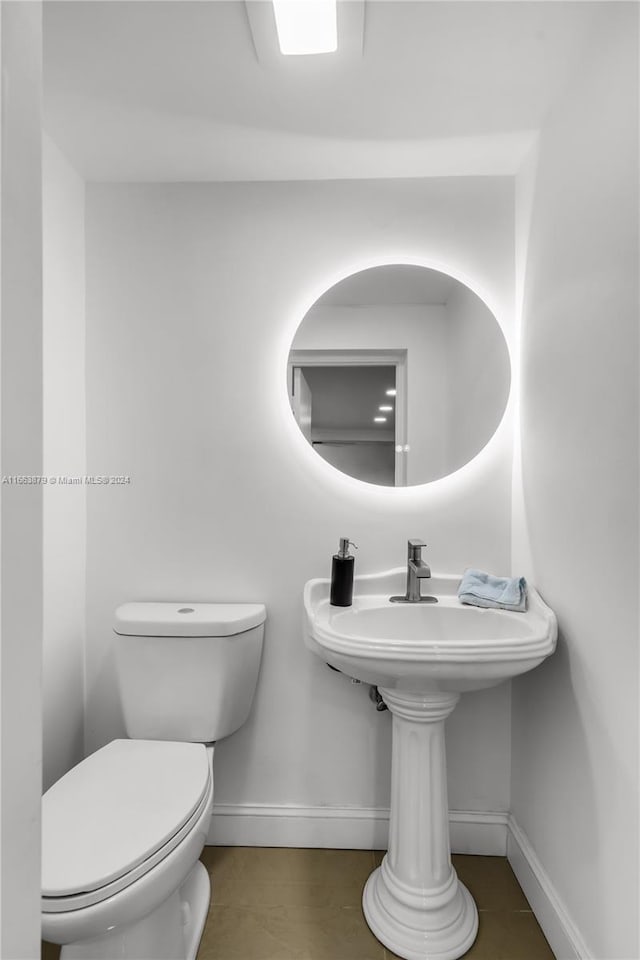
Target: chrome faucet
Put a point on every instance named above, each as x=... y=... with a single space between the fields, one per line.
x=417 y=570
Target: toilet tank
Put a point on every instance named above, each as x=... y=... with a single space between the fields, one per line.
x=187 y=671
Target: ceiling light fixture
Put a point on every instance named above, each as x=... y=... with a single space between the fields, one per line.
x=385 y=408
x=379 y=419
x=306 y=26
x=391 y=392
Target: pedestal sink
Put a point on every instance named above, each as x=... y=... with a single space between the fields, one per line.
x=422 y=657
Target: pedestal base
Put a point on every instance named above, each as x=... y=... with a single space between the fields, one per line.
x=439 y=926
x=414 y=902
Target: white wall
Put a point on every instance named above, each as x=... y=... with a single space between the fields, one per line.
x=21 y=505
x=575 y=720
x=64 y=454
x=194 y=293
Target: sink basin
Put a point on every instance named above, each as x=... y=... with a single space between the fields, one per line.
x=445 y=646
x=422 y=657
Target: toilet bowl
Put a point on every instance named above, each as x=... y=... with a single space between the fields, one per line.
x=123 y=830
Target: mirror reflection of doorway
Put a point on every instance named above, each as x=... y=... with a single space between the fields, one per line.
x=349 y=410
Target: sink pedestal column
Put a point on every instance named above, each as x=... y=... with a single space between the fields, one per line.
x=414 y=902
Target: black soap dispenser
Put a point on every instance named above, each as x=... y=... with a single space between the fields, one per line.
x=342 y=565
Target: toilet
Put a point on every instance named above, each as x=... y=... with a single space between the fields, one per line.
x=123 y=830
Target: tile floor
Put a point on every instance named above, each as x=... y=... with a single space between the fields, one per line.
x=289 y=904
x=286 y=904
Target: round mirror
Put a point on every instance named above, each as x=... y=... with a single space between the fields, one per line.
x=398 y=375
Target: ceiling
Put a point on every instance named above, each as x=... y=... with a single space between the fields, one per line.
x=175 y=90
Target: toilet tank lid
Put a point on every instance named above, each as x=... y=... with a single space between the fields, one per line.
x=164 y=619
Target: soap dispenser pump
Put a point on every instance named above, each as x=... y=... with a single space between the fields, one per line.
x=342 y=565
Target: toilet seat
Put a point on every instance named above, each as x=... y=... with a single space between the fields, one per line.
x=53 y=904
x=103 y=828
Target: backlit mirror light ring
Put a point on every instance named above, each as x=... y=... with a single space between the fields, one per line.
x=461 y=477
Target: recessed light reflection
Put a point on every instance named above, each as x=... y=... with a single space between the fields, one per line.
x=391 y=392
x=385 y=409
x=379 y=419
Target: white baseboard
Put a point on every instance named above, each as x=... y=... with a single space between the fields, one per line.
x=550 y=911
x=479 y=832
x=354 y=828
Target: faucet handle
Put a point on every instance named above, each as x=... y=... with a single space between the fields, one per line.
x=414 y=548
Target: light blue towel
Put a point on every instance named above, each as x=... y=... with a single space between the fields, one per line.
x=483 y=590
